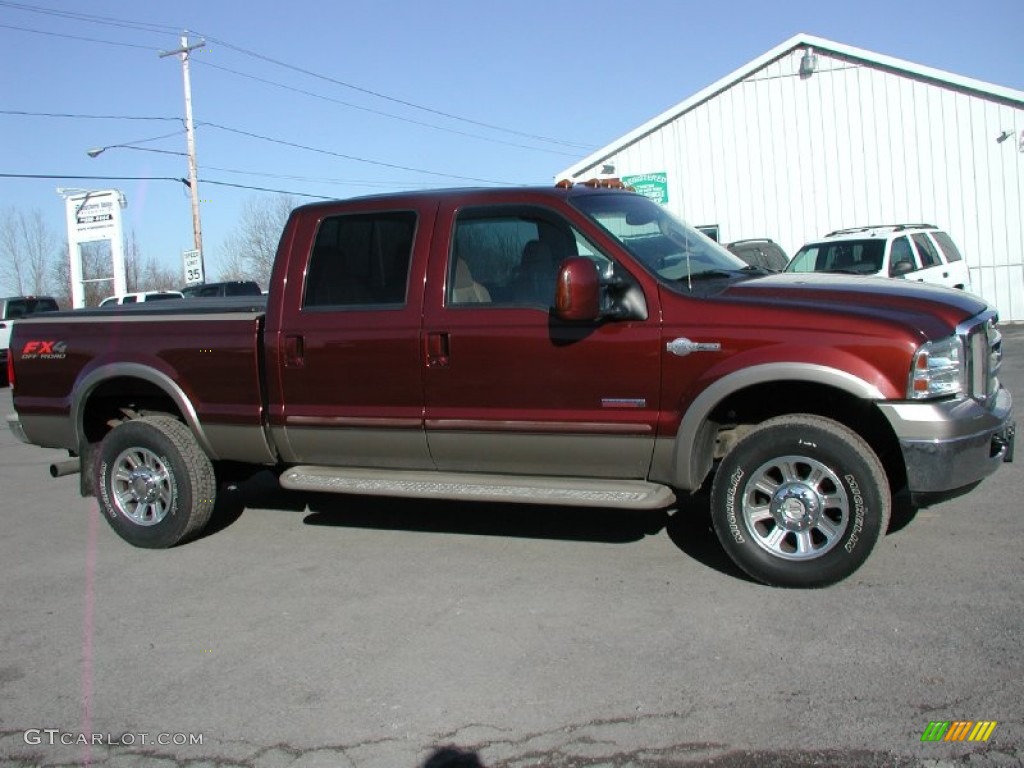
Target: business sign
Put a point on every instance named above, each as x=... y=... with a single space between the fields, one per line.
x=652 y=185
x=94 y=215
x=193 y=261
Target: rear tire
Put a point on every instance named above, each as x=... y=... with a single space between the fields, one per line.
x=800 y=502
x=155 y=485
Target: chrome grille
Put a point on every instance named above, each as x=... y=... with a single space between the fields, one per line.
x=983 y=355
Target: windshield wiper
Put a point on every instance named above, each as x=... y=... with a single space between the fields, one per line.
x=712 y=274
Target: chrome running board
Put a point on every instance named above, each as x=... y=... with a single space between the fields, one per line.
x=564 y=491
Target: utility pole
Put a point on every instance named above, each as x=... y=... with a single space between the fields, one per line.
x=193 y=179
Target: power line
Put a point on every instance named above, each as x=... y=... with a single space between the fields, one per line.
x=380 y=112
x=250 y=134
x=160 y=28
x=79 y=116
x=75 y=37
x=393 y=99
x=184 y=181
x=270 y=139
x=142 y=26
x=318 y=150
x=318 y=180
x=266 y=189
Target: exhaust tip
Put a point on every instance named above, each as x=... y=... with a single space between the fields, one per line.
x=68 y=467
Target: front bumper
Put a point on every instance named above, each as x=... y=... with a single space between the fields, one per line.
x=952 y=444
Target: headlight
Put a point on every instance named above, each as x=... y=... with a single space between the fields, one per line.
x=936 y=370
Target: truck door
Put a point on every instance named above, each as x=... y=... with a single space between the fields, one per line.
x=510 y=388
x=348 y=355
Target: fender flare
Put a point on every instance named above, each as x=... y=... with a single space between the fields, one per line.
x=86 y=385
x=688 y=463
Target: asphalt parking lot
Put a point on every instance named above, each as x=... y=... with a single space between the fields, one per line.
x=310 y=631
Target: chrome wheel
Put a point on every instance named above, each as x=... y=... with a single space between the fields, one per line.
x=795 y=507
x=141 y=486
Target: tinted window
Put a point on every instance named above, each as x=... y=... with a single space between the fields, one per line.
x=28 y=306
x=158 y=297
x=767 y=255
x=901 y=253
x=361 y=259
x=129 y=300
x=858 y=257
x=774 y=257
x=947 y=245
x=247 y=288
x=929 y=254
x=511 y=256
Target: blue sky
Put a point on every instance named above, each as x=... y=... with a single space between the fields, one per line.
x=399 y=94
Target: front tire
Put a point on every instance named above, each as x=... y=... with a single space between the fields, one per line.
x=156 y=487
x=800 y=501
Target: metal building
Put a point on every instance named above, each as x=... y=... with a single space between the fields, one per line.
x=815 y=136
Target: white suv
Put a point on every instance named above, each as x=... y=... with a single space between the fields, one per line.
x=921 y=252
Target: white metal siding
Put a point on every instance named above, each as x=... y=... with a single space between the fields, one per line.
x=776 y=155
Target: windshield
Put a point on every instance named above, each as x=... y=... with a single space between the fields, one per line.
x=855 y=257
x=665 y=245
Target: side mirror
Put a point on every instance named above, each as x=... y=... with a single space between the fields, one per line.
x=901 y=268
x=578 y=290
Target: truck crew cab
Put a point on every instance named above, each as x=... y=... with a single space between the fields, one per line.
x=574 y=345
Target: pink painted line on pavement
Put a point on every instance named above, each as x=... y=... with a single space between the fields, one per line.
x=87 y=631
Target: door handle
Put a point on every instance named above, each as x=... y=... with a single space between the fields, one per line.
x=294 y=352
x=438 y=349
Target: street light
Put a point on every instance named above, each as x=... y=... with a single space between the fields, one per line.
x=97 y=151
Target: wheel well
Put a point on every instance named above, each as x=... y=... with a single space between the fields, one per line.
x=115 y=399
x=753 y=405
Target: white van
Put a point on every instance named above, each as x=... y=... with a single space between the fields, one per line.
x=135 y=298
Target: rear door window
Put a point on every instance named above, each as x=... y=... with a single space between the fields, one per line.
x=929 y=254
x=949 y=249
x=361 y=260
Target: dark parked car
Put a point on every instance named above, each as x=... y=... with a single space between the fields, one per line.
x=760 y=252
x=227 y=288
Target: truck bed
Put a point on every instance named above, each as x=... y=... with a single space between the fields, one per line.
x=207 y=352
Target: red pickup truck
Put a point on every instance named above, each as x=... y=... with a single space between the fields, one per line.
x=568 y=345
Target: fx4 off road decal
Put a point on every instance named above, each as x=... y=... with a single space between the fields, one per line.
x=44 y=350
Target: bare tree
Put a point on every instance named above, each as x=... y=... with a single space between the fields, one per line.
x=132 y=257
x=27 y=250
x=60 y=278
x=248 y=252
x=153 y=276
x=96 y=274
x=141 y=274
